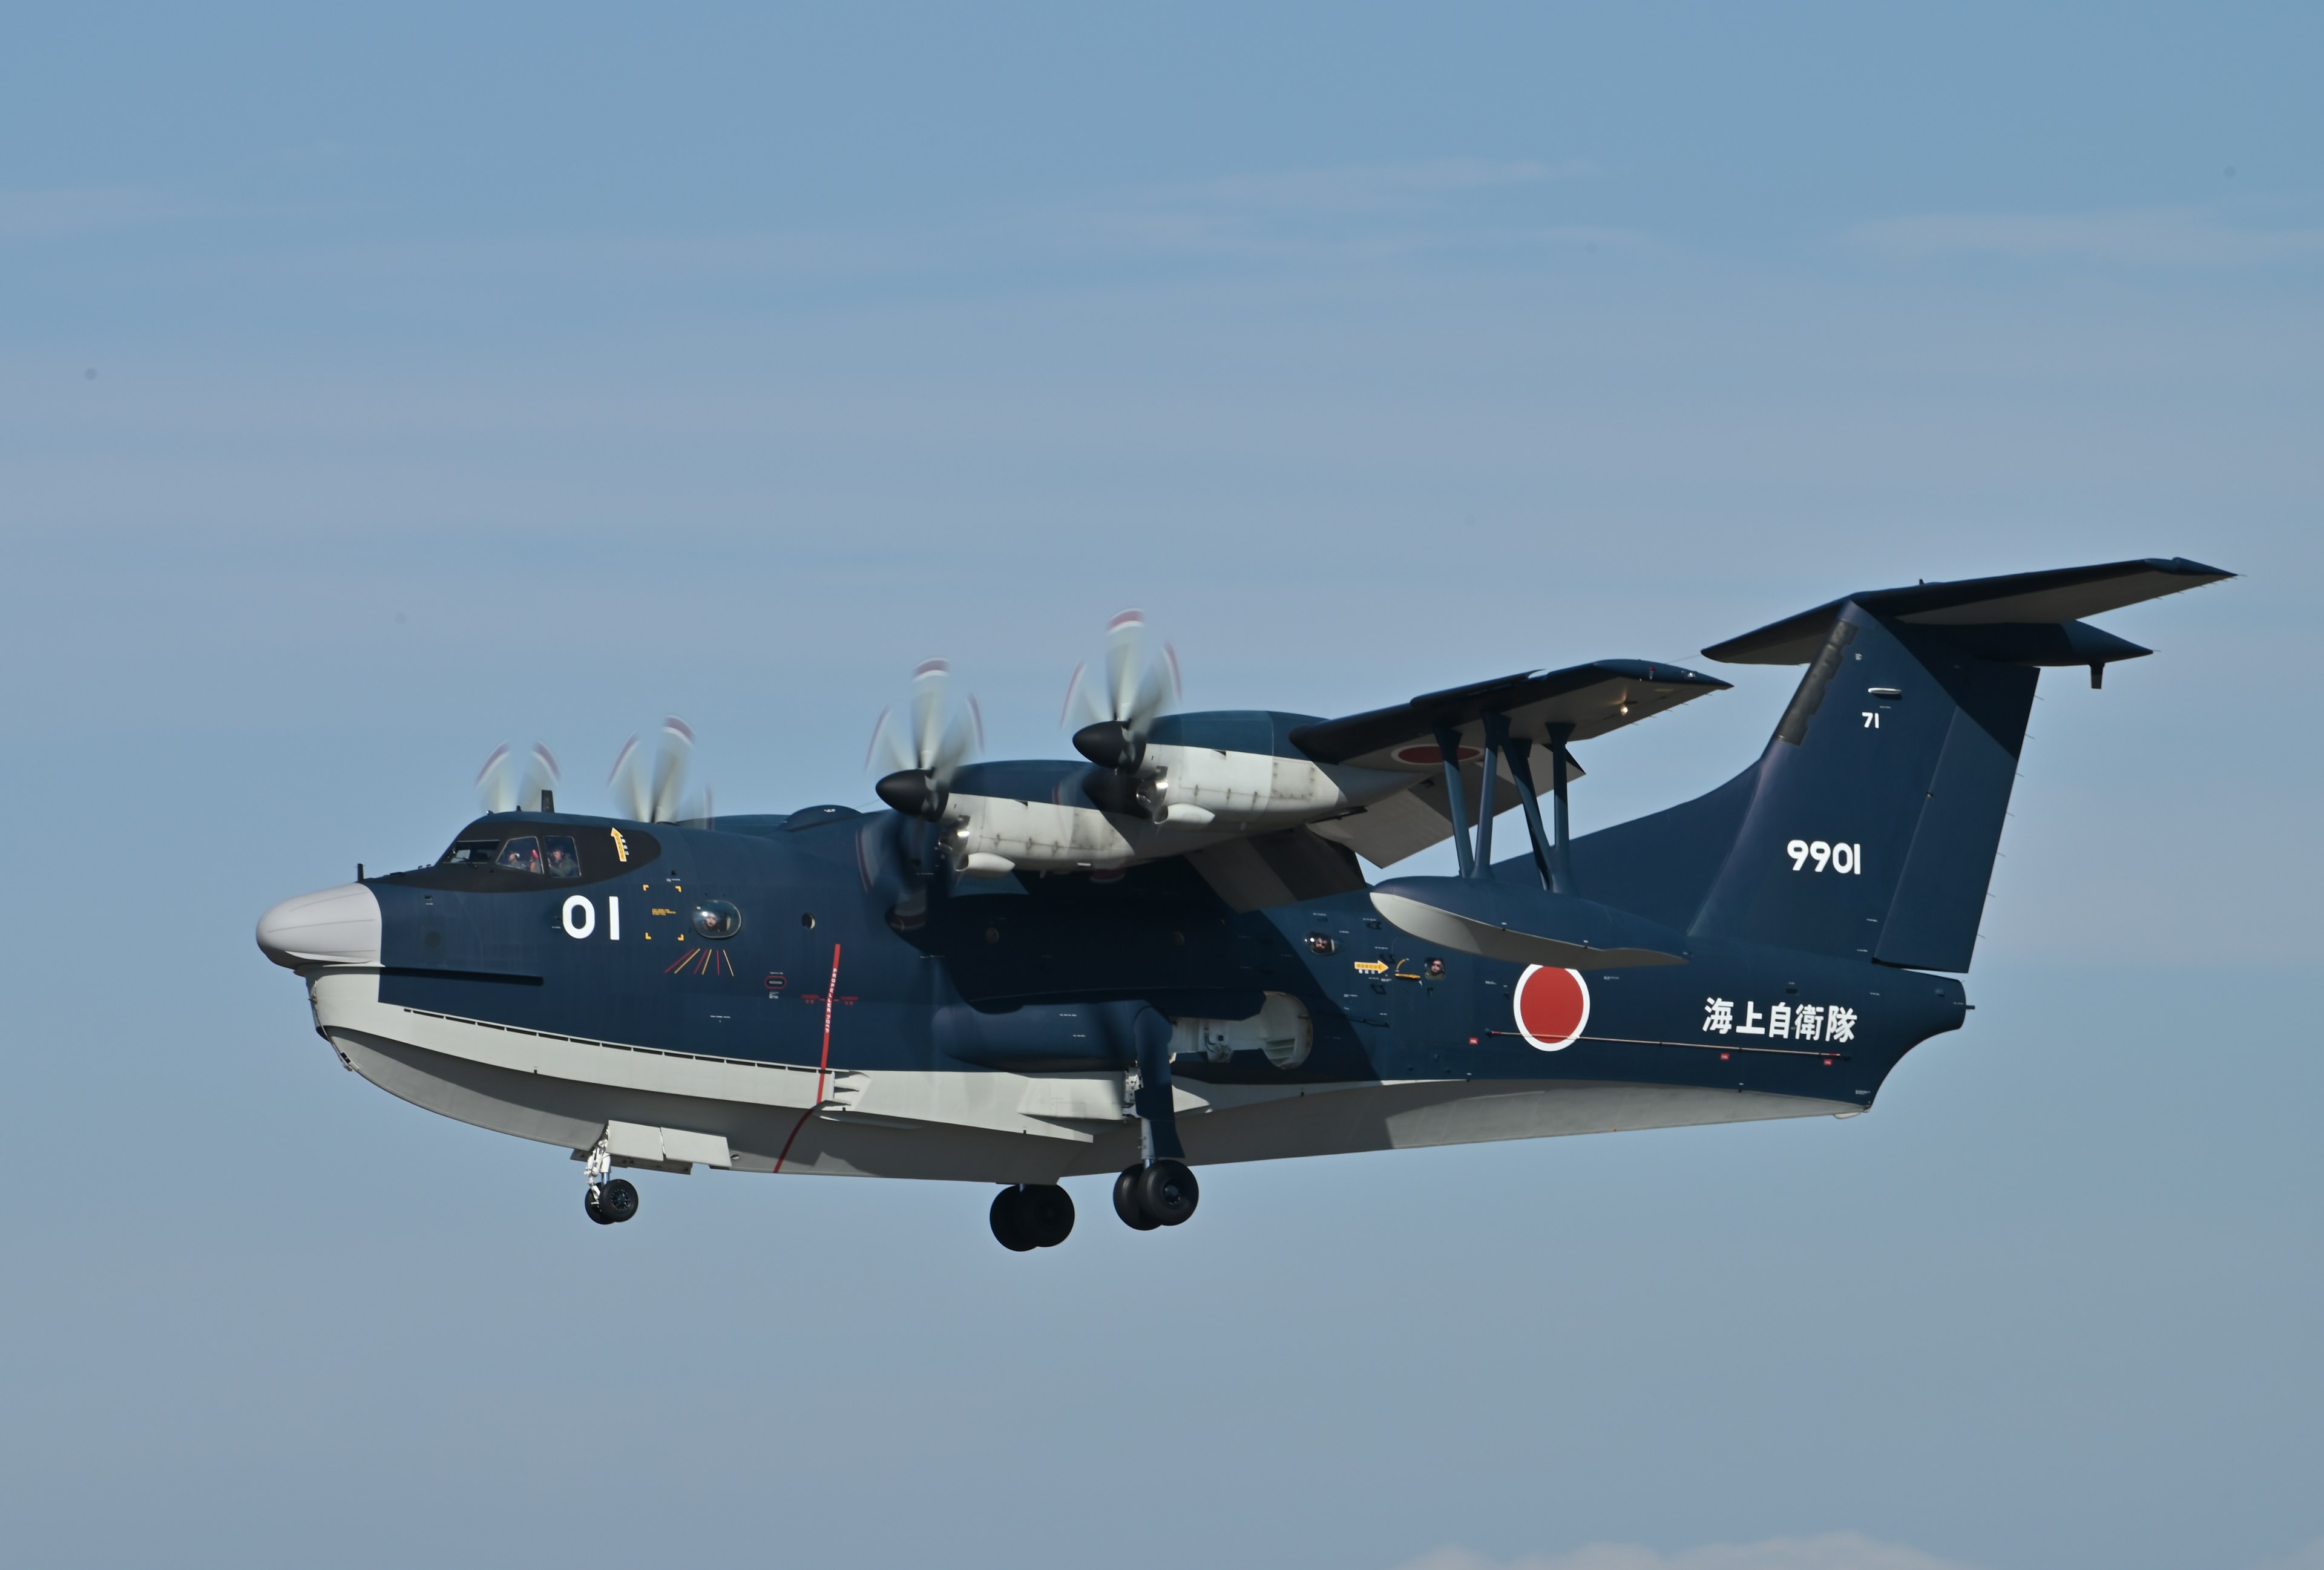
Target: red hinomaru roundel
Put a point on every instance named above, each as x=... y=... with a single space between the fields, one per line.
x=1551 y=1006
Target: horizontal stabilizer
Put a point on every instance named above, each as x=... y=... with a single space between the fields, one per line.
x=2059 y=597
x=1593 y=699
x=1524 y=925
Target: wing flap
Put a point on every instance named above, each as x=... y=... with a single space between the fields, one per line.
x=1277 y=869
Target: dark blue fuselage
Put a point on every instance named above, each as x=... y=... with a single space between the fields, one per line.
x=954 y=976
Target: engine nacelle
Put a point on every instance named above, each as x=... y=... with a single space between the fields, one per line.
x=1183 y=799
x=1252 y=788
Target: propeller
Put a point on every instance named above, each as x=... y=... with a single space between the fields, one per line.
x=923 y=748
x=1118 y=706
x=511 y=780
x=653 y=789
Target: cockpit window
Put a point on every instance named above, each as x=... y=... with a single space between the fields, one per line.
x=505 y=855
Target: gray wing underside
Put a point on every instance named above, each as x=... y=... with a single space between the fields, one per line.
x=1312 y=861
x=1280 y=868
x=1412 y=820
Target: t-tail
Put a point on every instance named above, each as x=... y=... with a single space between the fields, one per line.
x=1869 y=825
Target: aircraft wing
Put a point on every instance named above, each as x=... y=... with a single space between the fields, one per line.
x=1275 y=869
x=1268 y=806
x=1595 y=698
x=1410 y=821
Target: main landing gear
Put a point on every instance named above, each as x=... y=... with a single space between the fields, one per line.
x=1032 y=1215
x=612 y=1202
x=1162 y=1193
x=1158 y=1191
x=610 y=1199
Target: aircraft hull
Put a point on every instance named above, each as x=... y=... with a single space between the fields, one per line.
x=982 y=1125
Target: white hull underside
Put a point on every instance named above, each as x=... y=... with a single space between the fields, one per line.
x=977 y=1126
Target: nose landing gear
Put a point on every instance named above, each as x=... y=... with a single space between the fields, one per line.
x=1032 y=1215
x=610 y=1200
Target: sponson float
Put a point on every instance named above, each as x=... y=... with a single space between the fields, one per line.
x=1165 y=954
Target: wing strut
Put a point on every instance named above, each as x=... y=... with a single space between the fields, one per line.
x=1518 y=750
x=1448 y=749
x=1552 y=858
x=1485 y=803
x=1552 y=851
x=1561 y=853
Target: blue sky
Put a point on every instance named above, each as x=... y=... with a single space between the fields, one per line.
x=377 y=389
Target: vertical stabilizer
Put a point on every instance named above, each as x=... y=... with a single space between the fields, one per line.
x=1878 y=803
x=1869 y=825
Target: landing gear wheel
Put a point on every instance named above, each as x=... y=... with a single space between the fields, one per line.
x=1010 y=1225
x=1167 y=1191
x=607 y=1201
x=1125 y=1200
x=1047 y=1212
x=617 y=1201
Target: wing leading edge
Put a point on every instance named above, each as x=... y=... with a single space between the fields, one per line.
x=1595 y=698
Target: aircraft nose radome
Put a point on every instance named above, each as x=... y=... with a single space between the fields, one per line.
x=331 y=927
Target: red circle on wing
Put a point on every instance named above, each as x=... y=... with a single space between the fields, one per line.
x=1551 y=1006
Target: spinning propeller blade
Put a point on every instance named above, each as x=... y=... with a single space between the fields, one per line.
x=923 y=755
x=1141 y=685
x=510 y=780
x=654 y=791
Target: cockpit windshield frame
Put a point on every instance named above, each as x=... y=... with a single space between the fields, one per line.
x=506 y=857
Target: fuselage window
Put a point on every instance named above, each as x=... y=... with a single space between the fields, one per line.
x=471 y=853
x=718 y=919
x=520 y=855
x=564 y=860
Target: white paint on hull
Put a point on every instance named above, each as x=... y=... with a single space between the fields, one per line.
x=974 y=1125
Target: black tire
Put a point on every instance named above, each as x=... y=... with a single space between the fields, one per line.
x=589 y=1204
x=1010 y=1226
x=1167 y=1191
x=1047 y=1214
x=617 y=1200
x=1125 y=1200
